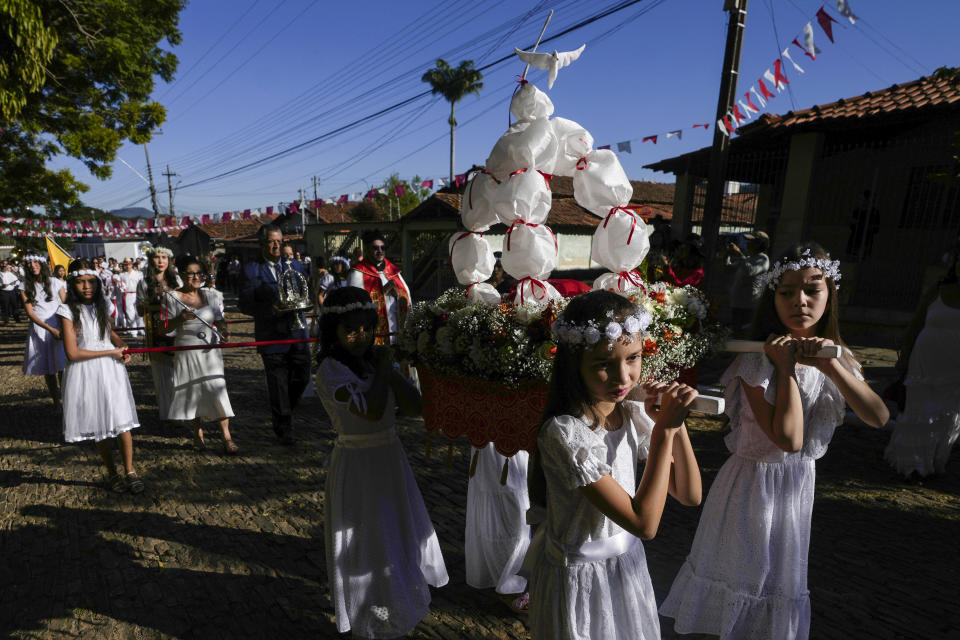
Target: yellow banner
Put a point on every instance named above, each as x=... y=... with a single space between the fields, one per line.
x=57 y=255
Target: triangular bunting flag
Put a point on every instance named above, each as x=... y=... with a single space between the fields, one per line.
x=808 y=44
x=606 y=146
x=737 y=116
x=678 y=134
x=343 y=199
x=399 y=190
x=826 y=22
x=705 y=126
x=764 y=92
x=460 y=179
x=843 y=8
x=427 y=184
x=443 y=182
x=747 y=109
x=625 y=145
x=786 y=54
x=749 y=98
x=383 y=191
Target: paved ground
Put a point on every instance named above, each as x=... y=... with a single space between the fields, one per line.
x=222 y=547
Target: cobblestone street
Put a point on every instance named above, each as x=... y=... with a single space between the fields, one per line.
x=232 y=547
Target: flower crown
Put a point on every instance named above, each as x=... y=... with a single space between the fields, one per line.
x=345 y=261
x=32 y=257
x=830 y=268
x=82 y=272
x=592 y=331
x=152 y=251
x=353 y=306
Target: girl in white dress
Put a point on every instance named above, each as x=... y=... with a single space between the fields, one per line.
x=161 y=277
x=199 y=387
x=588 y=569
x=98 y=402
x=382 y=550
x=746 y=575
x=924 y=434
x=497 y=535
x=42 y=294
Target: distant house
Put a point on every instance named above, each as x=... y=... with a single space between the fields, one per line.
x=857 y=176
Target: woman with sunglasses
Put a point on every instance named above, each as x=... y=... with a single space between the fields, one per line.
x=199 y=386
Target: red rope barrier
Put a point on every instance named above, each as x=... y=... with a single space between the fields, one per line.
x=222 y=345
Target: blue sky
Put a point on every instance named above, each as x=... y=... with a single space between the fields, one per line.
x=260 y=77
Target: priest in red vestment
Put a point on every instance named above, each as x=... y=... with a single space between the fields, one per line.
x=382 y=280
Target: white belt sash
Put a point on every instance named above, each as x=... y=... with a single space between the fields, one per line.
x=366 y=440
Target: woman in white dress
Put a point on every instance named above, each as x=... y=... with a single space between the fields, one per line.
x=925 y=433
x=199 y=391
x=588 y=569
x=126 y=284
x=42 y=295
x=382 y=550
x=98 y=402
x=161 y=277
x=497 y=535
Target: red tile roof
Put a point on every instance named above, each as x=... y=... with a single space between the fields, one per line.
x=908 y=101
x=232 y=230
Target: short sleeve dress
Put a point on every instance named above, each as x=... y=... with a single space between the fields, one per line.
x=98 y=401
x=382 y=550
x=588 y=576
x=161 y=364
x=199 y=386
x=44 y=354
x=746 y=574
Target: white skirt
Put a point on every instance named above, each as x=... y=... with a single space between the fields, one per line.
x=382 y=550
x=497 y=535
x=97 y=400
x=199 y=388
x=746 y=575
x=924 y=434
x=44 y=354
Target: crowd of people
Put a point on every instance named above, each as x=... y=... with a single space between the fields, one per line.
x=562 y=539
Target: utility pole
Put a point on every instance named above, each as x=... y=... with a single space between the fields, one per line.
x=316 y=197
x=170 y=188
x=302 y=223
x=710 y=231
x=153 y=187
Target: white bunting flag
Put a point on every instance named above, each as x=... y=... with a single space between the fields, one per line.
x=808 y=41
x=443 y=182
x=678 y=134
x=770 y=78
x=749 y=112
x=786 y=54
x=756 y=94
x=843 y=8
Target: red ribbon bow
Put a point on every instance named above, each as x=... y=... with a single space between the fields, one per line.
x=533 y=284
x=581 y=164
x=525 y=223
x=633 y=277
x=633 y=219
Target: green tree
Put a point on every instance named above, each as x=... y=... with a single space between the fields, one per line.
x=76 y=78
x=453 y=84
x=395 y=205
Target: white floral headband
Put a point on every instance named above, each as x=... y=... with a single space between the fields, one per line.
x=82 y=272
x=353 y=306
x=32 y=257
x=152 y=251
x=830 y=268
x=592 y=332
x=345 y=261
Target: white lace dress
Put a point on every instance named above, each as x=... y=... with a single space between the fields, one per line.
x=161 y=364
x=924 y=434
x=589 y=577
x=97 y=399
x=199 y=387
x=746 y=575
x=382 y=550
x=497 y=534
x=44 y=354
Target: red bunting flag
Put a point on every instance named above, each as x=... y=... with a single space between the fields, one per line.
x=826 y=20
x=370 y=195
x=228 y=216
x=427 y=184
x=269 y=210
x=399 y=190
x=705 y=126
x=728 y=124
x=763 y=89
x=778 y=74
x=342 y=199
x=738 y=115
x=750 y=102
x=460 y=179
x=652 y=139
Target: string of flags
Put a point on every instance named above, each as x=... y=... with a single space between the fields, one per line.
x=39 y=227
x=770 y=83
x=396 y=190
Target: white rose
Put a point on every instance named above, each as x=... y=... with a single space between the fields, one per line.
x=613 y=330
x=591 y=335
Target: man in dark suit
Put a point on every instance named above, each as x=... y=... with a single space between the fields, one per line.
x=288 y=365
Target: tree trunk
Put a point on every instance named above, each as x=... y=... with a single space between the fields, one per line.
x=453 y=129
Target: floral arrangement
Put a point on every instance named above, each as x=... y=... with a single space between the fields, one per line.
x=502 y=343
x=508 y=343
x=681 y=333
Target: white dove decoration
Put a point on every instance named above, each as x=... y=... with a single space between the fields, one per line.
x=551 y=62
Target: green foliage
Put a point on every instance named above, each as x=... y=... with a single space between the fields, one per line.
x=412 y=196
x=454 y=83
x=75 y=78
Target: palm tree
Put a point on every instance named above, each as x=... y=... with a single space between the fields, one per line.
x=453 y=84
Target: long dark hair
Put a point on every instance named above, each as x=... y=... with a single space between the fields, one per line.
x=99 y=301
x=567 y=394
x=169 y=277
x=766 y=321
x=330 y=346
x=30 y=282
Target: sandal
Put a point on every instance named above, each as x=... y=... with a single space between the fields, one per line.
x=117 y=483
x=136 y=484
x=230 y=447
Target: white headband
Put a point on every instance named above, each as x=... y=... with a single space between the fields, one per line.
x=345 y=261
x=590 y=333
x=152 y=251
x=32 y=257
x=353 y=306
x=830 y=268
x=82 y=272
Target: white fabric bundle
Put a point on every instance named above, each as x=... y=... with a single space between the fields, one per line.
x=531 y=294
x=601 y=184
x=620 y=242
x=471 y=257
x=476 y=207
x=529 y=103
x=483 y=293
x=618 y=282
x=530 y=251
x=523 y=196
x=573 y=142
x=528 y=144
